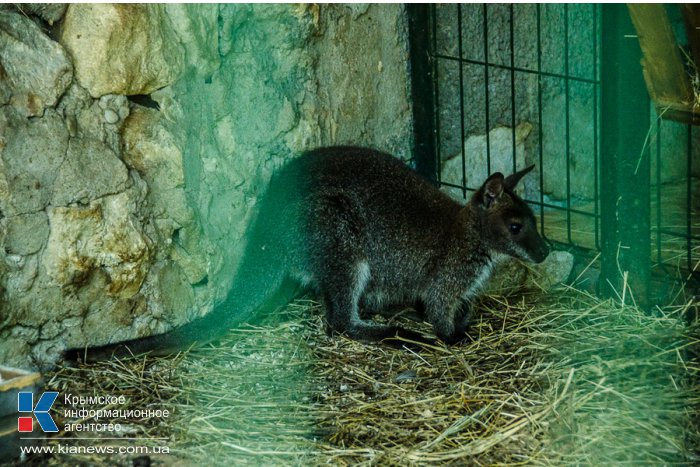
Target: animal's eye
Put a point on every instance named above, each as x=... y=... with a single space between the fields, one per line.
x=515 y=228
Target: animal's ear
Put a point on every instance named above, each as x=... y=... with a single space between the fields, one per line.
x=492 y=189
x=512 y=180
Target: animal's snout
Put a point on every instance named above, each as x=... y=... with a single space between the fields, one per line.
x=541 y=252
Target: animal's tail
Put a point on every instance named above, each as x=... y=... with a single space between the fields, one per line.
x=259 y=286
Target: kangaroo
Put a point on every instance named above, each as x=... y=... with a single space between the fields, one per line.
x=364 y=231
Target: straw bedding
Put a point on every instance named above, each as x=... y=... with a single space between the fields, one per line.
x=553 y=378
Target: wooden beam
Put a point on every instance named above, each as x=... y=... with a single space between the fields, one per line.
x=691 y=18
x=662 y=64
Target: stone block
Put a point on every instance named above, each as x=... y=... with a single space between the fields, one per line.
x=49 y=12
x=26 y=233
x=35 y=70
x=90 y=170
x=31 y=152
x=122 y=48
x=104 y=235
x=500 y=156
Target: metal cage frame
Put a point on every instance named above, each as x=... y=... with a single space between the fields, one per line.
x=622 y=216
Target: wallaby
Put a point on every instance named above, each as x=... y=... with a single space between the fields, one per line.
x=364 y=231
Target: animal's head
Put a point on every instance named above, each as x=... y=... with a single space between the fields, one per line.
x=508 y=221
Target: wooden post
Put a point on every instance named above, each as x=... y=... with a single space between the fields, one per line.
x=625 y=181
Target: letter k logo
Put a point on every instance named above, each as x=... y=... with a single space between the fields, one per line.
x=25 y=403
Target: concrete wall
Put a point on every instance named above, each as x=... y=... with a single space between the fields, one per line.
x=118 y=219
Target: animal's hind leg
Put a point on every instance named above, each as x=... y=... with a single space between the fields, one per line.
x=343 y=316
x=342 y=295
x=342 y=292
x=336 y=231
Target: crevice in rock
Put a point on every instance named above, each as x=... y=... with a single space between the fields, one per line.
x=54 y=31
x=176 y=237
x=203 y=282
x=144 y=100
x=220 y=29
x=23 y=213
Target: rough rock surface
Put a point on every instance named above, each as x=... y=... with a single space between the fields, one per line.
x=194 y=25
x=357 y=75
x=34 y=70
x=89 y=171
x=154 y=152
x=25 y=234
x=31 y=152
x=101 y=235
x=122 y=48
x=49 y=12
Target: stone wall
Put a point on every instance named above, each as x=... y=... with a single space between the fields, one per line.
x=136 y=139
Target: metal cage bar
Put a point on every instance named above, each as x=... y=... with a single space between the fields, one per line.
x=658 y=191
x=567 y=124
x=511 y=37
x=487 y=109
x=419 y=24
x=596 y=125
x=688 y=198
x=539 y=118
x=436 y=91
x=461 y=99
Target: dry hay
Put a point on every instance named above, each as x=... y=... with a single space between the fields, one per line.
x=145 y=383
x=481 y=401
x=549 y=378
